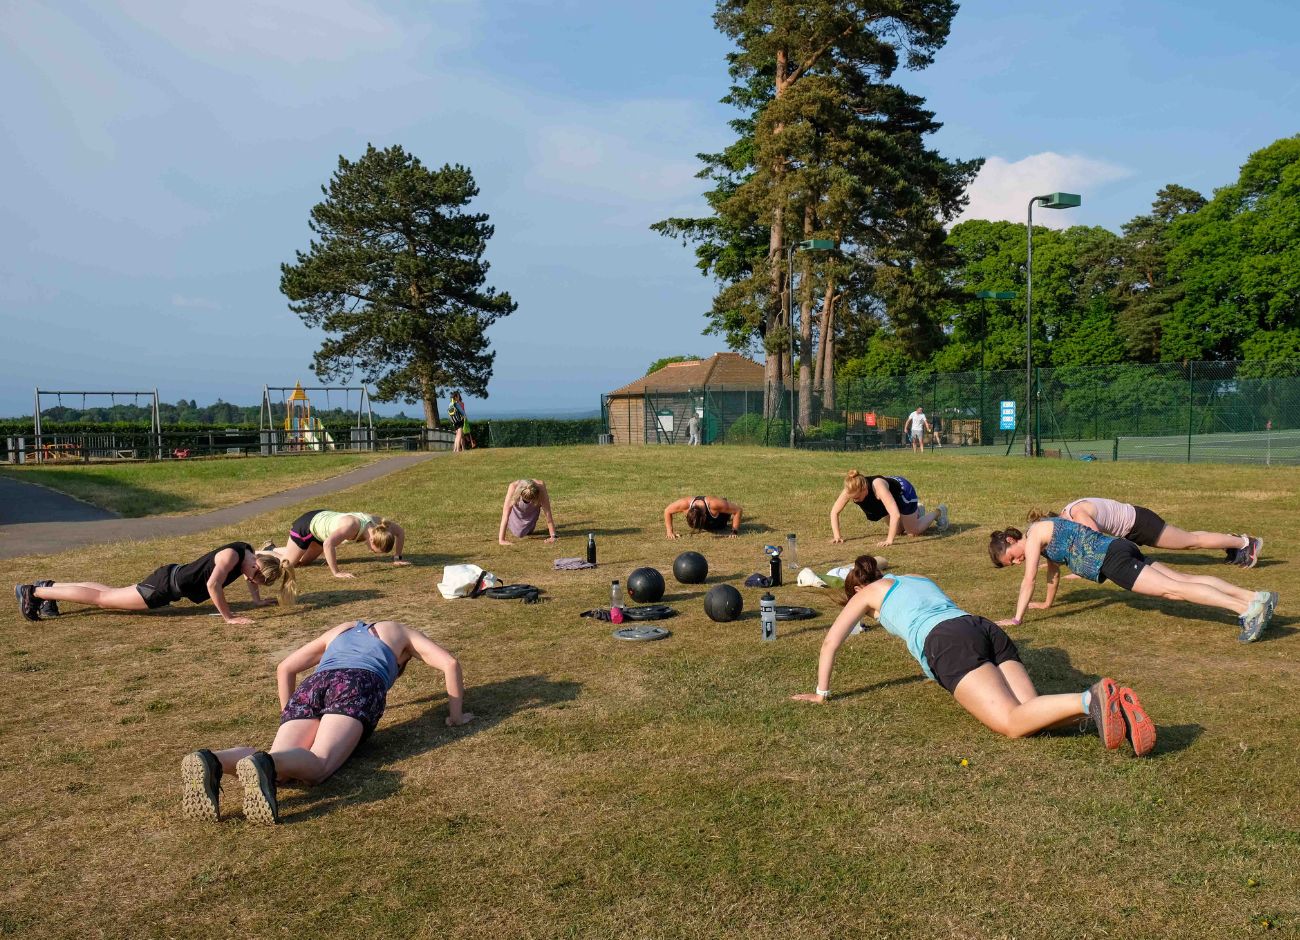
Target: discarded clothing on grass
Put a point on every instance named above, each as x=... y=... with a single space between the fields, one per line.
x=572 y=564
x=758 y=580
x=635 y=614
x=515 y=592
x=465 y=581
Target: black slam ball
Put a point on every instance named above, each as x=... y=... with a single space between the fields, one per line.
x=723 y=603
x=691 y=568
x=646 y=585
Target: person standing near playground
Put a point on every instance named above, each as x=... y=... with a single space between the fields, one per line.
x=323 y=720
x=1097 y=557
x=525 y=501
x=693 y=429
x=322 y=531
x=975 y=662
x=456 y=412
x=200 y=580
x=879 y=497
x=917 y=426
x=1141 y=526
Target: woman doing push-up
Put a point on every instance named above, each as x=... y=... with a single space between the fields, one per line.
x=323 y=720
x=1141 y=526
x=881 y=497
x=1098 y=557
x=321 y=532
x=704 y=514
x=975 y=661
x=201 y=579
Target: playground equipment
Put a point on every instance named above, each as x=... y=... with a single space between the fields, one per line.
x=290 y=425
x=55 y=447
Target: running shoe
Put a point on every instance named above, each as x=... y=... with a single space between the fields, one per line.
x=257 y=774
x=1141 y=730
x=1248 y=557
x=1271 y=603
x=1254 y=621
x=28 y=603
x=1104 y=710
x=49 y=609
x=201 y=786
x=942 y=522
x=267 y=547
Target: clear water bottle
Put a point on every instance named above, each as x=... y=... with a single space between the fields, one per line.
x=767 y=614
x=791 y=553
x=591 y=548
x=615 y=602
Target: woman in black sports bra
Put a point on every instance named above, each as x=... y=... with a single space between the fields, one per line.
x=879 y=497
x=704 y=514
x=202 y=579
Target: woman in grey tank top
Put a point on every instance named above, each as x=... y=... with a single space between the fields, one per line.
x=525 y=501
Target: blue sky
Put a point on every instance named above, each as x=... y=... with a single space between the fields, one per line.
x=161 y=158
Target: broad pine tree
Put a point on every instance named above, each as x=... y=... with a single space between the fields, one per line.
x=395 y=276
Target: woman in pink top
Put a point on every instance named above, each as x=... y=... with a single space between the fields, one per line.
x=525 y=501
x=1141 y=526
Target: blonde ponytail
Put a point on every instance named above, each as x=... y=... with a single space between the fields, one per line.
x=854 y=482
x=380 y=536
x=274 y=568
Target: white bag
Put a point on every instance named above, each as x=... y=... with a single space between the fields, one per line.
x=460 y=580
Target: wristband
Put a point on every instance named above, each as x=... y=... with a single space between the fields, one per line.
x=397 y=558
x=1015 y=621
x=823 y=692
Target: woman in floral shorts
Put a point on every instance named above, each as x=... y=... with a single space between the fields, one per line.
x=324 y=719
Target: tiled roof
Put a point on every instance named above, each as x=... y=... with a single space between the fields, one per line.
x=721 y=369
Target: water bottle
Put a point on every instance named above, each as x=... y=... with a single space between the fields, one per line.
x=791 y=553
x=615 y=602
x=774 y=563
x=591 y=548
x=767 y=614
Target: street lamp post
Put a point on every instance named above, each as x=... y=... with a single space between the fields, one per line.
x=987 y=295
x=1049 y=201
x=808 y=244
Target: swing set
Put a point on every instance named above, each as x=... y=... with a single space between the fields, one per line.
x=289 y=426
x=84 y=446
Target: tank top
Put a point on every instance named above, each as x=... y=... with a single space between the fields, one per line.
x=191 y=581
x=1113 y=517
x=871 y=505
x=719 y=523
x=358 y=648
x=523 y=516
x=325 y=522
x=913 y=607
x=1078 y=547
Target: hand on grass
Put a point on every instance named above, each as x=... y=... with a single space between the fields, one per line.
x=238 y=621
x=673 y=535
x=837 y=540
x=344 y=574
x=1009 y=622
x=553 y=538
x=464 y=719
x=401 y=563
x=885 y=544
x=809 y=697
x=504 y=542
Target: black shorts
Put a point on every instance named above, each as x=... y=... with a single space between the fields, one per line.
x=158 y=590
x=1123 y=563
x=300 y=531
x=1147 y=527
x=957 y=646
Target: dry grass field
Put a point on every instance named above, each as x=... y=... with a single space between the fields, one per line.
x=669 y=789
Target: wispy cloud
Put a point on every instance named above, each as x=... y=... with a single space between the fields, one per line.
x=1003 y=188
x=194 y=303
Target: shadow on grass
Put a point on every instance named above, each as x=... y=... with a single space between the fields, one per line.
x=1177 y=560
x=881 y=686
x=568 y=528
x=364 y=778
x=1170 y=739
x=319 y=600
x=1051 y=670
x=108 y=491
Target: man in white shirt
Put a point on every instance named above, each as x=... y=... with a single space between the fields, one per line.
x=917 y=425
x=693 y=428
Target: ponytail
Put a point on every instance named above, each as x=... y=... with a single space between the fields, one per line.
x=854 y=482
x=1000 y=541
x=274 y=568
x=380 y=536
x=866 y=570
x=1035 y=514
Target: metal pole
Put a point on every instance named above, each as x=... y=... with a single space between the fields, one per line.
x=1029 y=330
x=789 y=286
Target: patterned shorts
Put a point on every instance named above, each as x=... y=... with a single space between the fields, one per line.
x=356 y=693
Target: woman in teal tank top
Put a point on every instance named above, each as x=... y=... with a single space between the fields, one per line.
x=975 y=661
x=1099 y=557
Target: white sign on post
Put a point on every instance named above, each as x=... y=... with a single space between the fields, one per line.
x=1008 y=416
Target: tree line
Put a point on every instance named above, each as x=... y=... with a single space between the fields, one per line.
x=828 y=148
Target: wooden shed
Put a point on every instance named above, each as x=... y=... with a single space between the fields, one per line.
x=654 y=409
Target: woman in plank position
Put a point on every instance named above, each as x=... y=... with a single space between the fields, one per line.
x=201 y=579
x=323 y=720
x=704 y=514
x=976 y=662
x=1141 y=526
x=1095 y=556
x=321 y=532
x=879 y=497
x=526 y=500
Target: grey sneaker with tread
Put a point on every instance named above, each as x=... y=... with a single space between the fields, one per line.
x=28 y=603
x=201 y=786
x=257 y=776
x=48 y=609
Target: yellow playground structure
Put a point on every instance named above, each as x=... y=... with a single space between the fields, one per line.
x=290 y=425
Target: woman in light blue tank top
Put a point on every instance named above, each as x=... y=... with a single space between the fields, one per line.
x=1099 y=557
x=975 y=661
x=323 y=719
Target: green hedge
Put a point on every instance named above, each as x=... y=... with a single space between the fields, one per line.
x=537 y=432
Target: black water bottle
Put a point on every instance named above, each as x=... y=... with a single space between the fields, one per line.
x=591 y=548
x=774 y=563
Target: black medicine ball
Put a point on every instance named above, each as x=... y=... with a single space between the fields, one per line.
x=691 y=568
x=646 y=585
x=723 y=603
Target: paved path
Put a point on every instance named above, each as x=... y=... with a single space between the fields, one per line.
x=40 y=521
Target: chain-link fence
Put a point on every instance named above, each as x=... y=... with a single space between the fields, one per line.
x=1220 y=411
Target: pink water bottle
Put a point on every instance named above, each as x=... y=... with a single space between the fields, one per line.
x=615 y=602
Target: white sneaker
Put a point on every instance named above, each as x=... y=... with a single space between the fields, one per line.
x=942 y=522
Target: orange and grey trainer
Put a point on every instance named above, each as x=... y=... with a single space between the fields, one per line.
x=1141 y=729
x=1105 y=714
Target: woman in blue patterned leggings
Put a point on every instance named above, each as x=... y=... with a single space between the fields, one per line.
x=322 y=720
x=1099 y=557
